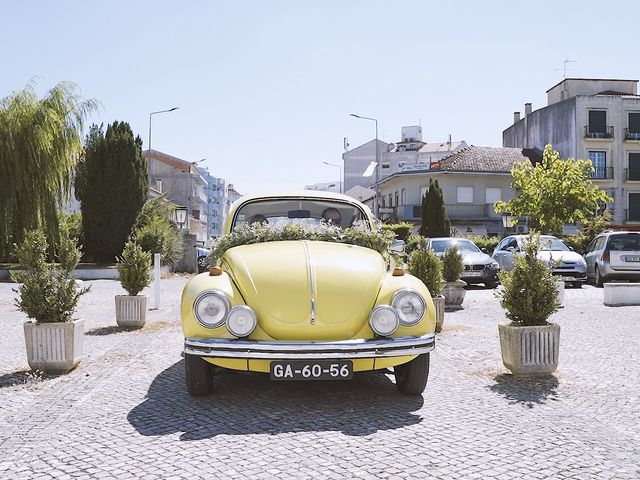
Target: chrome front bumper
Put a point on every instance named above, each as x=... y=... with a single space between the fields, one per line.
x=255 y=350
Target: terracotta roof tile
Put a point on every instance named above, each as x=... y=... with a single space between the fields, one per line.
x=482 y=159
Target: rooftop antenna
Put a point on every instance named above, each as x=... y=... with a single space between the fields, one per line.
x=345 y=142
x=564 y=68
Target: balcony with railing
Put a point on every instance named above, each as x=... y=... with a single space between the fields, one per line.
x=632 y=174
x=605 y=134
x=602 y=173
x=631 y=135
x=462 y=212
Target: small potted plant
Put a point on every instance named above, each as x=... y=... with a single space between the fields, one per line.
x=425 y=265
x=452 y=268
x=48 y=296
x=134 y=268
x=530 y=344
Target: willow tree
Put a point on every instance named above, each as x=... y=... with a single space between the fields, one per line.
x=40 y=143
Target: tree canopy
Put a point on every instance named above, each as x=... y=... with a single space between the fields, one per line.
x=112 y=186
x=40 y=143
x=435 y=222
x=554 y=192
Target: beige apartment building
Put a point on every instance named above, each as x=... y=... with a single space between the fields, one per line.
x=472 y=180
x=595 y=119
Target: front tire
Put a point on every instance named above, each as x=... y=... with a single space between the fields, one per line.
x=491 y=285
x=198 y=375
x=411 y=377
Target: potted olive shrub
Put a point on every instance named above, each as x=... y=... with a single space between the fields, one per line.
x=48 y=296
x=452 y=268
x=134 y=267
x=530 y=344
x=425 y=265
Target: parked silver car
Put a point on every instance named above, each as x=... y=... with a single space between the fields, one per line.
x=613 y=256
x=565 y=262
x=478 y=266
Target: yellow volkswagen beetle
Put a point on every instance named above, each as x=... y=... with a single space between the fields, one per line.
x=305 y=309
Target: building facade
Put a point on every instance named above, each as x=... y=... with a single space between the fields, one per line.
x=472 y=180
x=325 y=187
x=216 y=193
x=595 y=119
x=184 y=185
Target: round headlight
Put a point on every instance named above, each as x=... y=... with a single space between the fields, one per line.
x=410 y=306
x=494 y=265
x=384 y=320
x=241 y=321
x=211 y=308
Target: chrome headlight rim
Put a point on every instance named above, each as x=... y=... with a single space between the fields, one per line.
x=221 y=295
x=241 y=308
x=388 y=308
x=405 y=291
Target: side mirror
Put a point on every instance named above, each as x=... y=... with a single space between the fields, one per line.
x=571 y=248
x=397 y=246
x=484 y=250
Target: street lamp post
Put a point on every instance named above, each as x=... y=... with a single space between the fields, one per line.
x=376 y=204
x=339 y=168
x=154 y=113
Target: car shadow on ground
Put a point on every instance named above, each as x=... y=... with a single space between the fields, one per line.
x=526 y=391
x=252 y=404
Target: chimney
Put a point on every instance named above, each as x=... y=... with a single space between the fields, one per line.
x=527 y=109
x=516 y=117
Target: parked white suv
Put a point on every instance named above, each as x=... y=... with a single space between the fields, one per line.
x=613 y=256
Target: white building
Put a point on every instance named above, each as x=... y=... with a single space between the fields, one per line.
x=216 y=193
x=595 y=119
x=325 y=186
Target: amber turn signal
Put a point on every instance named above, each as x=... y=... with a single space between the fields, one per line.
x=398 y=272
x=215 y=272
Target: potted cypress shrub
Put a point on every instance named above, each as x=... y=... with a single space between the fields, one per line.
x=134 y=268
x=530 y=344
x=48 y=296
x=425 y=265
x=452 y=268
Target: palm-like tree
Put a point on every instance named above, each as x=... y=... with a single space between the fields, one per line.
x=40 y=144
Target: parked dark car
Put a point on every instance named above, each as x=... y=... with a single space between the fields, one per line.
x=201 y=256
x=613 y=256
x=478 y=266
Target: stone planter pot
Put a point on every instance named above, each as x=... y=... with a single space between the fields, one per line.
x=131 y=310
x=530 y=351
x=438 y=303
x=560 y=288
x=54 y=347
x=454 y=293
x=621 y=294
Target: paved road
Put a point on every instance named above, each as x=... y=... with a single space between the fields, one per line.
x=124 y=412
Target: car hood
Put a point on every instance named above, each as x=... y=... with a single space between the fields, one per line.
x=476 y=258
x=559 y=256
x=307 y=290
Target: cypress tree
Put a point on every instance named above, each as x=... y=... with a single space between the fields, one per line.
x=112 y=186
x=435 y=222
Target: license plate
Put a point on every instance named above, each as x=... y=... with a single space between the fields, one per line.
x=567 y=279
x=471 y=274
x=632 y=258
x=314 y=370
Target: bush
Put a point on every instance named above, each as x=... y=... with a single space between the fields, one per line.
x=48 y=294
x=402 y=231
x=159 y=236
x=134 y=267
x=590 y=230
x=452 y=265
x=529 y=293
x=415 y=242
x=72 y=222
x=425 y=265
x=483 y=241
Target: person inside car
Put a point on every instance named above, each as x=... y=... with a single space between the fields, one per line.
x=258 y=218
x=332 y=216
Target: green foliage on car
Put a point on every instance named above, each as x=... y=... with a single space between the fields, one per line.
x=48 y=292
x=528 y=292
x=134 y=268
x=425 y=265
x=452 y=265
x=40 y=143
x=112 y=185
x=435 y=222
x=553 y=192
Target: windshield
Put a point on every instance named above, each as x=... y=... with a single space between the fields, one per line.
x=552 y=244
x=440 y=246
x=299 y=211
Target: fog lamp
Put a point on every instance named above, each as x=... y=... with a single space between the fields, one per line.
x=384 y=320
x=241 y=321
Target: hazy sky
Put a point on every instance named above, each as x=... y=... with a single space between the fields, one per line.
x=265 y=88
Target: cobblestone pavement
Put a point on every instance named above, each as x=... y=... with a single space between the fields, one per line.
x=124 y=412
